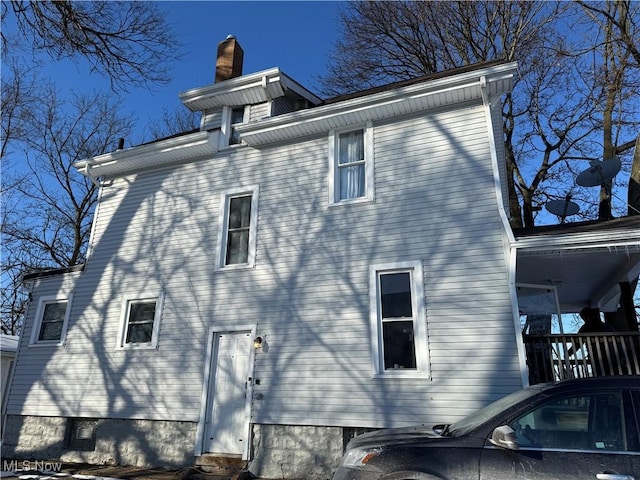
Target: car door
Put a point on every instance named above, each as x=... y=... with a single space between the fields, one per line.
x=586 y=435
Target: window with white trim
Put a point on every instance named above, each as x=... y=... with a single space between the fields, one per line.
x=140 y=321
x=237 y=228
x=351 y=165
x=52 y=316
x=232 y=117
x=398 y=319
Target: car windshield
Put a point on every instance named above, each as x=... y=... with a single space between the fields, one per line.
x=483 y=415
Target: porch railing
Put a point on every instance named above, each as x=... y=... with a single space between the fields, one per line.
x=559 y=357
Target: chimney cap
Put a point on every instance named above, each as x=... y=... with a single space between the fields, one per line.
x=231 y=36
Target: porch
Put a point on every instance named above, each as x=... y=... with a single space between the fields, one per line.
x=560 y=269
x=556 y=357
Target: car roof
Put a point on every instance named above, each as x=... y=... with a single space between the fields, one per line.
x=577 y=384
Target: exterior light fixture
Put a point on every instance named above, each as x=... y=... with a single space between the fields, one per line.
x=257 y=342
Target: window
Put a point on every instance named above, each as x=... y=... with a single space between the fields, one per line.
x=584 y=422
x=140 y=322
x=398 y=319
x=52 y=317
x=237 y=228
x=231 y=117
x=237 y=117
x=351 y=165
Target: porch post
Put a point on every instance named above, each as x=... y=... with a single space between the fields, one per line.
x=626 y=305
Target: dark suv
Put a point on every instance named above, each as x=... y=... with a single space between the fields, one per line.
x=577 y=429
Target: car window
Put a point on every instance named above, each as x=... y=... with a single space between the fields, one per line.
x=485 y=414
x=583 y=422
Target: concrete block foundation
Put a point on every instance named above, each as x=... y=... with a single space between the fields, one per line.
x=291 y=451
x=140 y=443
x=278 y=451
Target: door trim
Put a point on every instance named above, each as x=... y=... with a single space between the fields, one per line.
x=210 y=358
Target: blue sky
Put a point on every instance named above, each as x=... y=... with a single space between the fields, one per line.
x=295 y=36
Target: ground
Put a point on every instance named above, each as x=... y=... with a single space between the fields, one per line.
x=96 y=472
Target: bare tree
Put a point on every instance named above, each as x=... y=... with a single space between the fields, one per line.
x=128 y=42
x=173 y=122
x=48 y=220
x=549 y=117
x=47 y=206
x=616 y=32
x=633 y=197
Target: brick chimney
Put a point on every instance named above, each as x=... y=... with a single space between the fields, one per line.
x=229 y=61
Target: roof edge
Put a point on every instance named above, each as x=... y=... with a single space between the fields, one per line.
x=51 y=272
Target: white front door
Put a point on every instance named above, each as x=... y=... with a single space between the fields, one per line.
x=226 y=426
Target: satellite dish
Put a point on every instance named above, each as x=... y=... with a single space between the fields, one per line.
x=599 y=173
x=563 y=208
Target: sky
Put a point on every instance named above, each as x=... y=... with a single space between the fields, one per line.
x=295 y=36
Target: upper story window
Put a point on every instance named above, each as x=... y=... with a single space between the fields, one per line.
x=52 y=316
x=237 y=228
x=351 y=165
x=398 y=319
x=232 y=117
x=140 y=321
x=237 y=117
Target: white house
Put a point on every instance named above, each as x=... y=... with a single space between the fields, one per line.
x=294 y=272
x=8 y=348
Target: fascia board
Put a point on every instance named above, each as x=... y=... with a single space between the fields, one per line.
x=261 y=86
x=158 y=153
x=499 y=79
x=290 y=84
x=199 y=98
x=603 y=239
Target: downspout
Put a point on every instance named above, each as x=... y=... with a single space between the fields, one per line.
x=510 y=247
x=94 y=179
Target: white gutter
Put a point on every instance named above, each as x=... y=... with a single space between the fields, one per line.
x=247 y=89
x=86 y=171
x=494 y=160
x=162 y=152
x=373 y=106
x=578 y=241
x=510 y=253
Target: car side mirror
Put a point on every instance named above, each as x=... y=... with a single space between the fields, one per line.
x=505 y=437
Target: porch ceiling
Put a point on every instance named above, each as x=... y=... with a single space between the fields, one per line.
x=585 y=262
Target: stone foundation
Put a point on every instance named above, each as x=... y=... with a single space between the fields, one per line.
x=281 y=451
x=278 y=451
x=141 y=443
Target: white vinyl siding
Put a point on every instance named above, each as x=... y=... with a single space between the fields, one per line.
x=308 y=292
x=211 y=120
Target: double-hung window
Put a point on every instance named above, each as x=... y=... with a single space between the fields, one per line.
x=398 y=319
x=52 y=316
x=351 y=165
x=237 y=228
x=140 y=321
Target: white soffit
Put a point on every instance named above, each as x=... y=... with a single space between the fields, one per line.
x=390 y=103
x=251 y=89
x=177 y=149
